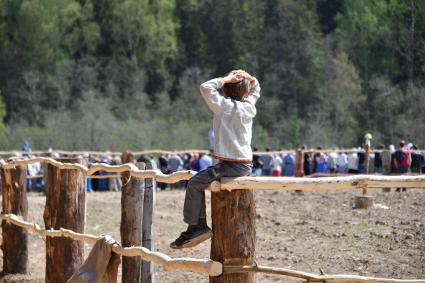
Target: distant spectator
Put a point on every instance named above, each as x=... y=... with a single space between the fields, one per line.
x=307 y=161
x=194 y=164
x=342 y=163
x=26 y=147
x=332 y=162
x=163 y=167
x=143 y=158
x=175 y=164
x=402 y=160
x=415 y=166
x=187 y=159
x=256 y=163
x=205 y=161
x=115 y=184
x=288 y=165
x=353 y=163
x=127 y=157
x=320 y=164
x=277 y=165
x=267 y=161
x=361 y=162
x=377 y=162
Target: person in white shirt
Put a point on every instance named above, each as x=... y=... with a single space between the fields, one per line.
x=342 y=163
x=277 y=165
x=353 y=163
x=233 y=114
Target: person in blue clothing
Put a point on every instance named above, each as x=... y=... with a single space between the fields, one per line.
x=26 y=147
x=289 y=165
x=320 y=162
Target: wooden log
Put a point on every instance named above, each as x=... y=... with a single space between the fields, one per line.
x=147 y=226
x=299 y=163
x=364 y=201
x=233 y=224
x=366 y=162
x=15 y=239
x=131 y=223
x=315 y=184
x=65 y=208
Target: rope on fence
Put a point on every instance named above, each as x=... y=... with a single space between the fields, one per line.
x=205 y=266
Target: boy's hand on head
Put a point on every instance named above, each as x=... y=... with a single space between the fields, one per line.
x=245 y=75
x=233 y=77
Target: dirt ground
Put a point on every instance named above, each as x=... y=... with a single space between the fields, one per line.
x=305 y=232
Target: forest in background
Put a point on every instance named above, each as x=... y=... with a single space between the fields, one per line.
x=117 y=74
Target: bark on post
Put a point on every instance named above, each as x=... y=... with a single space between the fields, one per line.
x=15 y=239
x=299 y=163
x=147 y=226
x=131 y=224
x=65 y=208
x=233 y=224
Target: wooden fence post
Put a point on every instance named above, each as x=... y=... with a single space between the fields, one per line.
x=65 y=208
x=15 y=239
x=386 y=165
x=365 y=200
x=131 y=223
x=147 y=226
x=299 y=163
x=233 y=224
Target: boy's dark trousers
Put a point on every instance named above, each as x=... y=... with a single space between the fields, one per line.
x=194 y=202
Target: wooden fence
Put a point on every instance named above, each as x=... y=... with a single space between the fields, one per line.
x=232 y=200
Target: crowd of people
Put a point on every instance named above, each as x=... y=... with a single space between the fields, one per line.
x=402 y=160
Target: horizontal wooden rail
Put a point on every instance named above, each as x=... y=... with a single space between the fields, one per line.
x=310 y=277
x=314 y=184
x=204 y=266
x=96 y=167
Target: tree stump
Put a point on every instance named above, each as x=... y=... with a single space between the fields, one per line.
x=15 y=239
x=233 y=224
x=363 y=202
x=65 y=208
x=131 y=224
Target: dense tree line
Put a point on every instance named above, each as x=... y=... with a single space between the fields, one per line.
x=112 y=74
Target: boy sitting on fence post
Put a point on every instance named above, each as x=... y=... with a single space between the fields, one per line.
x=233 y=115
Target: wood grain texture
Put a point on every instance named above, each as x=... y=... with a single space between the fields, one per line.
x=233 y=222
x=65 y=208
x=15 y=239
x=131 y=224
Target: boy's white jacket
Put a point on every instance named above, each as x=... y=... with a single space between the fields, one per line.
x=232 y=121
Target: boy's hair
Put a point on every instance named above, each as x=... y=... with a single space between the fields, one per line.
x=236 y=91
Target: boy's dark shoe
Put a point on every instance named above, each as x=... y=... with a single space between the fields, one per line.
x=193 y=236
